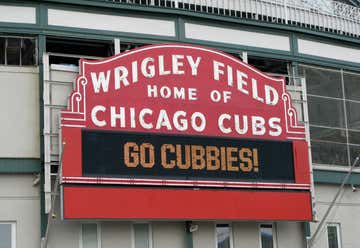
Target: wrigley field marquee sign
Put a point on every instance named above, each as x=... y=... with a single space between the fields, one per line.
x=151 y=130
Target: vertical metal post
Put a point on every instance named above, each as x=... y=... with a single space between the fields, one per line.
x=189 y=235
x=117 y=46
x=307 y=133
x=46 y=132
x=244 y=57
x=286 y=12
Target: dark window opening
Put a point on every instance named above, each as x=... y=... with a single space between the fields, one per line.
x=68 y=51
x=2 y=50
x=274 y=67
x=267 y=236
x=28 y=48
x=223 y=236
x=267 y=65
x=13 y=51
x=270 y=65
x=77 y=48
x=128 y=46
x=17 y=51
x=333 y=235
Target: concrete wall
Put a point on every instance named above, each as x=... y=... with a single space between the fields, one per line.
x=346 y=212
x=17 y=14
x=19 y=108
x=246 y=234
x=116 y=234
x=204 y=237
x=290 y=234
x=77 y=19
x=223 y=34
x=20 y=203
x=168 y=234
x=20 y=138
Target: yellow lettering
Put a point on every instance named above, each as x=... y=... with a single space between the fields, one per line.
x=246 y=161
x=180 y=163
x=164 y=149
x=131 y=156
x=231 y=159
x=212 y=158
x=150 y=148
x=197 y=157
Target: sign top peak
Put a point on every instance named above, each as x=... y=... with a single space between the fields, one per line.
x=185 y=48
x=182 y=89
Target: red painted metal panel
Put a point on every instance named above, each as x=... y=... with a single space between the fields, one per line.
x=301 y=162
x=171 y=204
x=258 y=108
x=72 y=151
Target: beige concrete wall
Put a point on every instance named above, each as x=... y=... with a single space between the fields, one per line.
x=346 y=212
x=169 y=234
x=19 y=108
x=329 y=51
x=17 y=14
x=236 y=36
x=246 y=234
x=77 y=19
x=20 y=203
x=204 y=237
x=116 y=234
x=290 y=234
x=112 y=234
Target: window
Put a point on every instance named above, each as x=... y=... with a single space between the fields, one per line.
x=63 y=46
x=142 y=235
x=323 y=82
x=267 y=236
x=7 y=235
x=333 y=233
x=334 y=114
x=223 y=236
x=90 y=236
x=270 y=65
x=351 y=86
x=17 y=51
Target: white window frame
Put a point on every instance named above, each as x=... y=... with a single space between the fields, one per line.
x=13 y=232
x=338 y=233
x=133 y=233
x=273 y=226
x=98 y=233
x=231 y=233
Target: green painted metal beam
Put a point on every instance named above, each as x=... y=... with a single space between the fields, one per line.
x=335 y=177
x=41 y=51
x=188 y=235
x=19 y=165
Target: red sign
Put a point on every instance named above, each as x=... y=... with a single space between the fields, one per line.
x=185 y=91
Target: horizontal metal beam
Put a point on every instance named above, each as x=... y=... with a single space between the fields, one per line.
x=19 y=165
